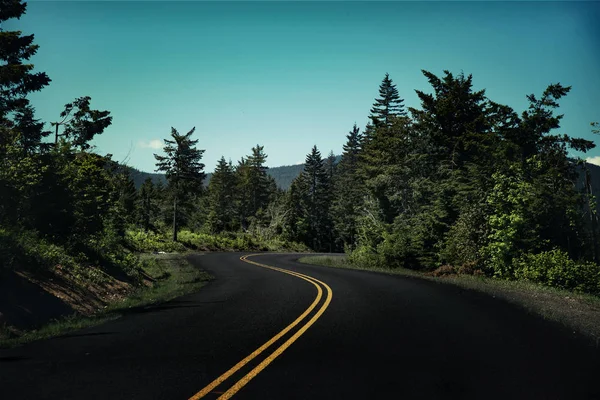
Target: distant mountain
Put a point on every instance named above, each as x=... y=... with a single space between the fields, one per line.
x=283 y=175
x=139 y=177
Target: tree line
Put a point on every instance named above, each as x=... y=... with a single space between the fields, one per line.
x=462 y=183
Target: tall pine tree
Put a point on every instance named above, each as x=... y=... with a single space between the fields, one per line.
x=221 y=193
x=318 y=201
x=348 y=191
x=17 y=81
x=147 y=207
x=388 y=105
x=183 y=169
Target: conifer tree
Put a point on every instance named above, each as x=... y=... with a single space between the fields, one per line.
x=330 y=166
x=18 y=80
x=348 y=191
x=388 y=105
x=221 y=192
x=258 y=179
x=295 y=222
x=147 y=204
x=318 y=200
x=255 y=188
x=183 y=169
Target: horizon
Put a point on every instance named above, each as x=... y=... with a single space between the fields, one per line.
x=289 y=75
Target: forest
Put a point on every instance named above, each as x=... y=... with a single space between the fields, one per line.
x=460 y=184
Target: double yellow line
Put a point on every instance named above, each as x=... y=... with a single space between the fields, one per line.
x=256 y=370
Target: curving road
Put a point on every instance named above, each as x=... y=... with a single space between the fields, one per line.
x=271 y=328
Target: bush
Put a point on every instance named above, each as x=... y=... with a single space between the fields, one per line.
x=228 y=241
x=470 y=268
x=555 y=268
x=364 y=256
x=444 y=270
x=25 y=250
x=150 y=241
x=463 y=241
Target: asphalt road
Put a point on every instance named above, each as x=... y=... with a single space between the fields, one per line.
x=367 y=336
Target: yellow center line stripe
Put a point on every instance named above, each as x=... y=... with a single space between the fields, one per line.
x=242 y=382
x=209 y=388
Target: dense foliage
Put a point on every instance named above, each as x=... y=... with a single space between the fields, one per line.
x=465 y=181
x=461 y=183
x=62 y=204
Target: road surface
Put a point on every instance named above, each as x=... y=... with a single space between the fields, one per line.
x=312 y=333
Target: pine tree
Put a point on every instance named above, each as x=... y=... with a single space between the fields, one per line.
x=295 y=205
x=127 y=196
x=259 y=180
x=388 y=105
x=256 y=189
x=455 y=119
x=352 y=148
x=18 y=80
x=348 y=191
x=21 y=168
x=183 y=169
x=330 y=166
x=318 y=201
x=147 y=207
x=221 y=193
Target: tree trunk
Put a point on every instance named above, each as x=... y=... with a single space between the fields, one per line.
x=175 y=219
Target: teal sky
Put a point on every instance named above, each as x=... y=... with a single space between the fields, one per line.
x=288 y=75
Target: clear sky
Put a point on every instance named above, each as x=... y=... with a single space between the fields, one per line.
x=288 y=75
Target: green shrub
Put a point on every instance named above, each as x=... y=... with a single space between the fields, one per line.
x=555 y=268
x=150 y=241
x=364 y=256
x=463 y=241
x=228 y=241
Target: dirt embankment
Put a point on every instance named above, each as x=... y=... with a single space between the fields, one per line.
x=31 y=299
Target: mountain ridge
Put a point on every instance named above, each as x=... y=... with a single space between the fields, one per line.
x=283 y=175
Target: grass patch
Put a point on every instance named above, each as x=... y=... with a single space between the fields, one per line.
x=226 y=241
x=11 y=337
x=581 y=312
x=173 y=276
x=169 y=276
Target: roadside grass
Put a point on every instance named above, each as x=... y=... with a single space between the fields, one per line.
x=170 y=276
x=227 y=241
x=580 y=312
x=174 y=276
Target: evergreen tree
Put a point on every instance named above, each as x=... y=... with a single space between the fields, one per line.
x=221 y=193
x=330 y=166
x=255 y=188
x=455 y=119
x=17 y=81
x=295 y=226
x=388 y=105
x=243 y=194
x=318 y=201
x=348 y=191
x=259 y=180
x=147 y=207
x=183 y=169
x=128 y=196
